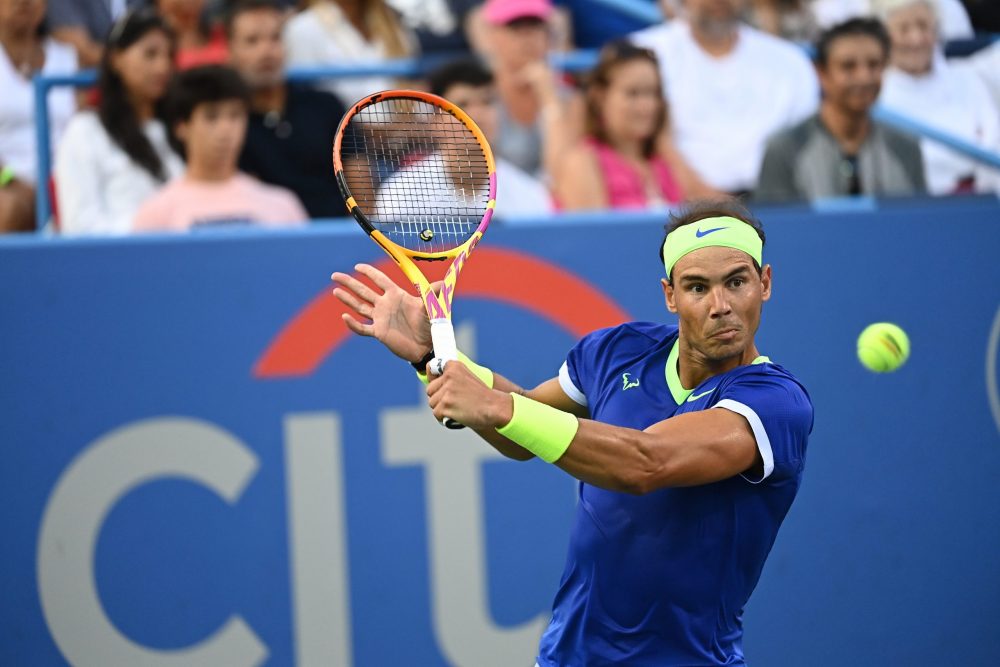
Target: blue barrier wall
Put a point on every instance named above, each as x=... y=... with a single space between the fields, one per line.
x=198 y=468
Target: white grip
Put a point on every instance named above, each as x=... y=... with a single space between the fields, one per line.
x=445 y=350
x=443 y=339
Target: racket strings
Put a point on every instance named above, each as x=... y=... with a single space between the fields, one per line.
x=417 y=172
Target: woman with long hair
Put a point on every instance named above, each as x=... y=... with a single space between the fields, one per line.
x=111 y=159
x=341 y=32
x=26 y=50
x=625 y=159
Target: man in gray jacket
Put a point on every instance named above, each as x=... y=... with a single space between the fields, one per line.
x=842 y=151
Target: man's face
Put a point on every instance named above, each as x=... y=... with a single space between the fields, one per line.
x=477 y=101
x=213 y=136
x=852 y=77
x=715 y=14
x=717 y=296
x=913 y=30
x=256 y=49
x=22 y=15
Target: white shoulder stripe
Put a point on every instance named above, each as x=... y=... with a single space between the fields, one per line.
x=759 y=434
x=571 y=389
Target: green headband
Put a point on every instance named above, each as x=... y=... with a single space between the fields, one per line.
x=725 y=232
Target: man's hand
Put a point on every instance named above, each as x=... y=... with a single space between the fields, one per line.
x=541 y=79
x=460 y=395
x=396 y=318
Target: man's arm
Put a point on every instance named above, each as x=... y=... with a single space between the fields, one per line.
x=686 y=450
x=776 y=182
x=88 y=52
x=386 y=312
x=548 y=392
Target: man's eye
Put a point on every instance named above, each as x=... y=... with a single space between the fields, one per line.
x=737 y=282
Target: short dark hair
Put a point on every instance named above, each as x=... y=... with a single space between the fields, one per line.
x=202 y=85
x=239 y=7
x=697 y=211
x=467 y=71
x=865 y=27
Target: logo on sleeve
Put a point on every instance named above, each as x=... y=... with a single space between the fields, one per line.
x=628 y=382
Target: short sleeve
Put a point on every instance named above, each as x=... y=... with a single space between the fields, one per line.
x=577 y=374
x=780 y=415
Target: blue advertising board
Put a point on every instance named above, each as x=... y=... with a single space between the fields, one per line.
x=201 y=467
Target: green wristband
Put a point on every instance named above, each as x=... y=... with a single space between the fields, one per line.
x=541 y=429
x=484 y=374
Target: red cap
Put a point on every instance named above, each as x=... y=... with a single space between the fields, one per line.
x=500 y=12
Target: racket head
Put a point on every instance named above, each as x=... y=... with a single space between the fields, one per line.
x=417 y=174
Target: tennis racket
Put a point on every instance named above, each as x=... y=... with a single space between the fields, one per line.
x=419 y=177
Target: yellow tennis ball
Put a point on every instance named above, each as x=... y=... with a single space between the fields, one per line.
x=883 y=347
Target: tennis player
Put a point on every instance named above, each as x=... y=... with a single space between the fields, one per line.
x=689 y=445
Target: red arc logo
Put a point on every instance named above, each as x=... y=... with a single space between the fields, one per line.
x=506 y=276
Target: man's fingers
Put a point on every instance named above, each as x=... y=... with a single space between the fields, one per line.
x=358 y=327
x=362 y=308
x=381 y=280
x=356 y=286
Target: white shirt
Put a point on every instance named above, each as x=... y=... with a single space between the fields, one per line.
x=986 y=64
x=519 y=194
x=954 y=20
x=17 y=109
x=722 y=110
x=98 y=186
x=955 y=101
x=322 y=35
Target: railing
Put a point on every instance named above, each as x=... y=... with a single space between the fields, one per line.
x=574 y=61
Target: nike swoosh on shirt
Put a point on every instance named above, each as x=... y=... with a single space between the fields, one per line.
x=699 y=233
x=695 y=397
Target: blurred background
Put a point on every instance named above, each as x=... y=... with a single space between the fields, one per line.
x=201 y=467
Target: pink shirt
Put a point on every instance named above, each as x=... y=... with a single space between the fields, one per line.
x=625 y=185
x=183 y=204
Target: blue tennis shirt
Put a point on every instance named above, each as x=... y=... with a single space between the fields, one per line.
x=662 y=579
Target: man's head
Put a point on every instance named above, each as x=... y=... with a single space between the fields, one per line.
x=253 y=28
x=715 y=18
x=207 y=108
x=468 y=84
x=716 y=282
x=913 y=29
x=850 y=60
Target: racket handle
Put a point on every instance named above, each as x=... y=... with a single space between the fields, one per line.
x=445 y=350
x=448 y=422
x=437 y=368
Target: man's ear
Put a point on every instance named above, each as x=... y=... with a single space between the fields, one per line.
x=668 y=295
x=765 y=282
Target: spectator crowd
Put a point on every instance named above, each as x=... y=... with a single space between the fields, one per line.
x=193 y=121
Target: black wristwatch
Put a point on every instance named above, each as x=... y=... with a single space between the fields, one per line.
x=421 y=366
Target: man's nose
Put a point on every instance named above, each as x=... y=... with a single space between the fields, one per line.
x=719 y=302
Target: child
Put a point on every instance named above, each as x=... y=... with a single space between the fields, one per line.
x=207 y=108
